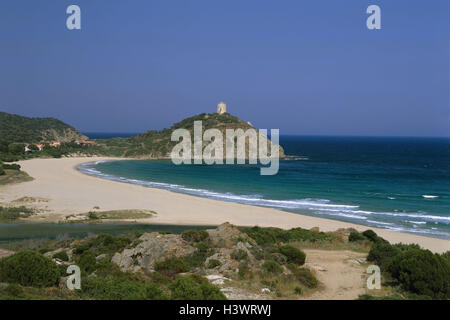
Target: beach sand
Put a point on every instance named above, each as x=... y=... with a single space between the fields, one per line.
x=71 y=192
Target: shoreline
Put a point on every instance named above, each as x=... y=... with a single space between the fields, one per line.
x=68 y=191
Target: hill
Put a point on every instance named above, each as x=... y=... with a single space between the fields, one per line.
x=158 y=144
x=15 y=128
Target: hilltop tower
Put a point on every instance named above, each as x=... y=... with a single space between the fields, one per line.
x=221 y=108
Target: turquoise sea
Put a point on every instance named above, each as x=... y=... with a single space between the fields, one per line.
x=400 y=184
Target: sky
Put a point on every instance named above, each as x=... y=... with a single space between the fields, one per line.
x=307 y=67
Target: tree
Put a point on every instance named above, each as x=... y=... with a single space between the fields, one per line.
x=16 y=148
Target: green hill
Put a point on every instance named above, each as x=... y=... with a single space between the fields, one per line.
x=157 y=144
x=15 y=128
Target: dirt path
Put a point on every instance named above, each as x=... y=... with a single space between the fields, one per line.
x=341 y=273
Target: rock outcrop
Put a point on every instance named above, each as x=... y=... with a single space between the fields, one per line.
x=153 y=247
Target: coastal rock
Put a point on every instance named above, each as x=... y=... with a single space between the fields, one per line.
x=153 y=247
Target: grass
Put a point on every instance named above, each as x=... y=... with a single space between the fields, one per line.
x=119 y=214
x=14 y=176
x=8 y=214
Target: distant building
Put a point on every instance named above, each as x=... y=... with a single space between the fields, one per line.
x=86 y=143
x=221 y=108
x=55 y=144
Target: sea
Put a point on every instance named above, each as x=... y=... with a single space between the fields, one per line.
x=396 y=183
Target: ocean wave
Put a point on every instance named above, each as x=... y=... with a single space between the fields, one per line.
x=427 y=196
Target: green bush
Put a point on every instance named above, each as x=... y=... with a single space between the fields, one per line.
x=304 y=276
x=62 y=255
x=267 y=236
x=356 y=236
x=446 y=256
x=14 y=290
x=195 y=235
x=172 y=266
x=271 y=266
x=2 y=172
x=382 y=252
x=120 y=288
x=12 y=166
x=422 y=272
x=239 y=254
x=103 y=243
x=371 y=235
x=194 y=288
x=87 y=262
x=212 y=263
x=29 y=268
x=293 y=254
x=298 y=290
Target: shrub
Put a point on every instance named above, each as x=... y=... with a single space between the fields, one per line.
x=103 y=243
x=293 y=254
x=271 y=266
x=371 y=235
x=304 y=276
x=194 y=288
x=244 y=271
x=172 y=266
x=2 y=172
x=62 y=255
x=355 y=236
x=29 y=268
x=422 y=272
x=382 y=252
x=267 y=236
x=12 y=166
x=195 y=235
x=298 y=290
x=120 y=288
x=239 y=254
x=278 y=257
x=212 y=263
x=14 y=290
x=446 y=256
x=87 y=262
x=198 y=258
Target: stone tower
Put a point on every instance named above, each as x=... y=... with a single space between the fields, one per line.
x=221 y=108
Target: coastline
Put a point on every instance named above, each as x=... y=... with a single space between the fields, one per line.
x=68 y=191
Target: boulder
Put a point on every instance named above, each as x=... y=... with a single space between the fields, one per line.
x=153 y=247
x=226 y=235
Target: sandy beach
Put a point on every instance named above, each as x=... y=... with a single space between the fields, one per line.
x=67 y=192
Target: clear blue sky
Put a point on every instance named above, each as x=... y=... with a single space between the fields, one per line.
x=305 y=67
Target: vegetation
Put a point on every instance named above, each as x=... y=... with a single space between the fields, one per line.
x=14 y=213
x=194 y=287
x=356 y=236
x=213 y=263
x=195 y=235
x=293 y=254
x=267 y=236
x=62 y=255
x=239 y=254
x=422 y=272
x=29 y=268
x=416 y=270
x=271 y=266
x=172 y=266
x=15 y=128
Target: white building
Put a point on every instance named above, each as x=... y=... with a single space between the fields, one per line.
x=221 y=108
